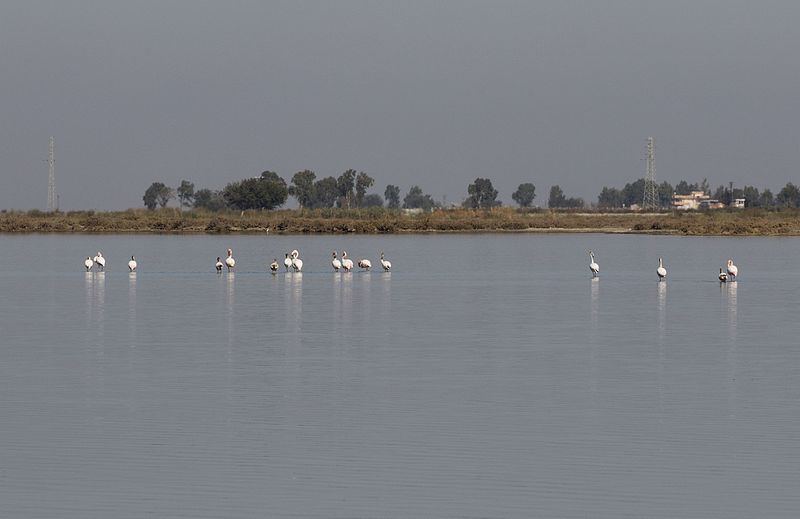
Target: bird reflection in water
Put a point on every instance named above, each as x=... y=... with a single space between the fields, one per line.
x=662 y=307
x=132 y=305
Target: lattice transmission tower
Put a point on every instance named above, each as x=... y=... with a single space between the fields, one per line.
x=651 y=200
x=52 y=198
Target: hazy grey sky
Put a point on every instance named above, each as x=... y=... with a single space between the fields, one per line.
x=433 y=93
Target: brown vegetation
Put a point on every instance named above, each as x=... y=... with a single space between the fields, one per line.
x=365 y=221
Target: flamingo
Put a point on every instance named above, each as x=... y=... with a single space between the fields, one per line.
x=273 y=267
x=733 y=270
x=218 y=264
x=661 y=271
x=723 y=276
x=297 y=263
x=287 y=262
x=132 y=264
x=364 y=264
x=347 y=263
x=101 y=261
x=335 y=263
x=88 y=263
x=593 y=266
x=229 y=261
x=386 y=264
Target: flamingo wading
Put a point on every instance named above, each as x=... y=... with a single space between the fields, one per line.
x=593 y=266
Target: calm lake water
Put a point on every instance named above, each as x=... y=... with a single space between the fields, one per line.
x=487 y=376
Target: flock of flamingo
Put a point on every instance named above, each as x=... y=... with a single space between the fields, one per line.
x=292 y=261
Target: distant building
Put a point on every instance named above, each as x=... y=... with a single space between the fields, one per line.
x=738 y=203
x=691 y=201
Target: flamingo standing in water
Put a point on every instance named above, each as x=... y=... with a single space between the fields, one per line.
x=297 y=263
x=661 y=271
x=273 y=267
x=723 y=276
x=287 y=262
x=132 y=264
x=733 y=270
x=101 y=261
x=386 y=264
x=88 y=263
x=229 y=261
x=218 y=265
x=347 y=263
x=335 y=263
x=365 y=264
x=593 y=266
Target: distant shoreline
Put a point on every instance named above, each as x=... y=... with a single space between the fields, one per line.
x=747 y=222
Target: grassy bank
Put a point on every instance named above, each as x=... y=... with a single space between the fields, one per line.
x=748 y=222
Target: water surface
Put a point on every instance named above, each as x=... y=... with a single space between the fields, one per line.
x=486 y=376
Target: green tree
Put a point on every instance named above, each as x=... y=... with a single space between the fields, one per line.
x=633 y=193
x=209 y=200
x=363 y=182
x=574 y=203
x=665 y=192
x=151 y=195
x=157 y=194
x=416 y=199
x=766 y=199
x=186 y=193
x=302 y=188
x=326 y=192
x=524 y=194
x=346 y=184
x=789 y=196
x=265 y=192
x=372 y=200
x=557 y=197
x=481 y=194
x=164 y=196
x=392 y=196
x=610 y=197
x=751 y=196
x=684 y=188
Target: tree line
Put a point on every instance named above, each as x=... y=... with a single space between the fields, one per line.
x=349 y=191
x=270 y=191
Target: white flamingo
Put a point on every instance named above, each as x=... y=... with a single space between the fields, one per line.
x=297 y=263
x=364 y=264
x=287 y=262
x=132 y=264
x=88 y=263
x=386 y=264
x=661 y=271
x=229 y=261
x=219 y=265
x=347 y=263
x=335 y=263
x=593 y=266
x=733 y=270
x=101 y=261
x=273 y=267
x=723 y=276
